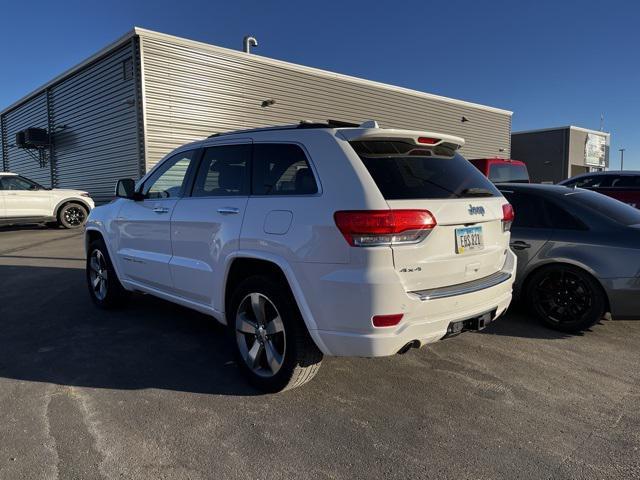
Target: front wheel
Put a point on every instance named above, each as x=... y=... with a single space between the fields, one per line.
x=566 y=298
x=72 y=215
x=105 y=289
x=273 y=347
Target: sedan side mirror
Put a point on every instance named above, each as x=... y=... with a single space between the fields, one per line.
x=126 y=188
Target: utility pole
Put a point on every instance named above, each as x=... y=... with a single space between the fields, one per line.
x=622 y=158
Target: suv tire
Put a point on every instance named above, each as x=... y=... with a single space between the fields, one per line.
x=105 y=289
x=565 y=298
x=72 y=215
x=272 y=344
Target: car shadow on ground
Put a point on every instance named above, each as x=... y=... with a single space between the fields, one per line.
x=27 y=227
x=51 y=332
x=517 y=322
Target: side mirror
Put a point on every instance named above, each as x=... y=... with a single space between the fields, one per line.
x=126 y=188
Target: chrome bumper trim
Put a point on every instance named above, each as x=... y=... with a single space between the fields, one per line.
x=469 y=287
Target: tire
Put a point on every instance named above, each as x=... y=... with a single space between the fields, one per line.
x=105 y=289
x=72 y=215
x=566 y=298
x=294 y=357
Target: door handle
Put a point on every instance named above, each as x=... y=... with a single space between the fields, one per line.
x=228 y=210
x=161 y=210
x=12 y=194
x=519 y=245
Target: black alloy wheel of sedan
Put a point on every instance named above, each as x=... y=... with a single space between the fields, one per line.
x=566 y=298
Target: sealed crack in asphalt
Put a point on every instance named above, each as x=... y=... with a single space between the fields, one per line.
x=73 y=436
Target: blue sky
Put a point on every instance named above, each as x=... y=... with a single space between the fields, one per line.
x=551 y=62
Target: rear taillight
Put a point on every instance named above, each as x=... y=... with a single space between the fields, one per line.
x=507 y=216
x=366 y=228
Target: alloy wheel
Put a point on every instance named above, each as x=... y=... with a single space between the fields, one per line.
x=260 y=335
x=98 y=275
x=563 y=296
x=74 y=216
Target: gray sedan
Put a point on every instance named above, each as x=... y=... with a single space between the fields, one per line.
x=578 y=254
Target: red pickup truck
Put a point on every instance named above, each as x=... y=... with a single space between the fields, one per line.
x=621 y=185
x=502 y=170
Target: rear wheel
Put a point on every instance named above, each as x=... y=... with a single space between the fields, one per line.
x=566 y=298
x=105 y=289
x=72 y=215
x=273 y=347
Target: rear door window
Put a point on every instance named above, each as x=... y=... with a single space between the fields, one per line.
x=223 y=172
x=529 y=210
x=403 y=170
x=281 y=169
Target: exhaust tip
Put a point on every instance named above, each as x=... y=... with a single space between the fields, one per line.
x=409 y=346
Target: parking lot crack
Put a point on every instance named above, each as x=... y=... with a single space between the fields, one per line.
x=73 y=435
x=50 y=443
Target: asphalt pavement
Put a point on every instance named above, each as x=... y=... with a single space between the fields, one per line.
x=152 y=392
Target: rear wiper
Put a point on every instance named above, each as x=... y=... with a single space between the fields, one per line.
x=476 y=192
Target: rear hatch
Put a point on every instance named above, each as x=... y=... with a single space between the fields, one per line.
x=468 y=242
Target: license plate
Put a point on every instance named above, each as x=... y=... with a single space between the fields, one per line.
x=468 y=239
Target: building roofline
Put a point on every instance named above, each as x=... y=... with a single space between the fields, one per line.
x=317 y=71
x=567 y=127
x=142 y=32
x=67 y=73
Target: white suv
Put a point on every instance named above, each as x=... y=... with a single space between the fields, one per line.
x=311 y=240
x=25 y=201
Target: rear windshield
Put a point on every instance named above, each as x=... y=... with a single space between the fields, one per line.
x=508 y=173
x=403 y=170
x=609 y=207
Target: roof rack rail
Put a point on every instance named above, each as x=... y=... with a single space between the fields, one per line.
x=302 y=124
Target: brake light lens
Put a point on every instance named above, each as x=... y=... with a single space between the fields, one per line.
x=428 y=140
x=386 y=320
x=507 y=216
x=368 y=228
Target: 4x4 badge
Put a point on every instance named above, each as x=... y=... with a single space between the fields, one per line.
x=476 y=210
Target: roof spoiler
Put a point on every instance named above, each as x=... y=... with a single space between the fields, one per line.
x=367 y=131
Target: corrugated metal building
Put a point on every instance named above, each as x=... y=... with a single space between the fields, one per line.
x=119 y=112
x=555 y=154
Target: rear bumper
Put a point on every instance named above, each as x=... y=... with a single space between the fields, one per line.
x=425 y=320
x=624 y=297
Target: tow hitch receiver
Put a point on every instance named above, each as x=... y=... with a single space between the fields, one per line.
x=475 y=323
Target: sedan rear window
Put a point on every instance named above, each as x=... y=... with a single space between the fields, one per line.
x=403 y=170
x=609 y=207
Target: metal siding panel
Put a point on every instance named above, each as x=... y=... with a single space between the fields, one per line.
x=97 y=127
x=192 y=92
x=30 y=114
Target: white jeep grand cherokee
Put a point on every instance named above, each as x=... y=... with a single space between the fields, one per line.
x=311 y=240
